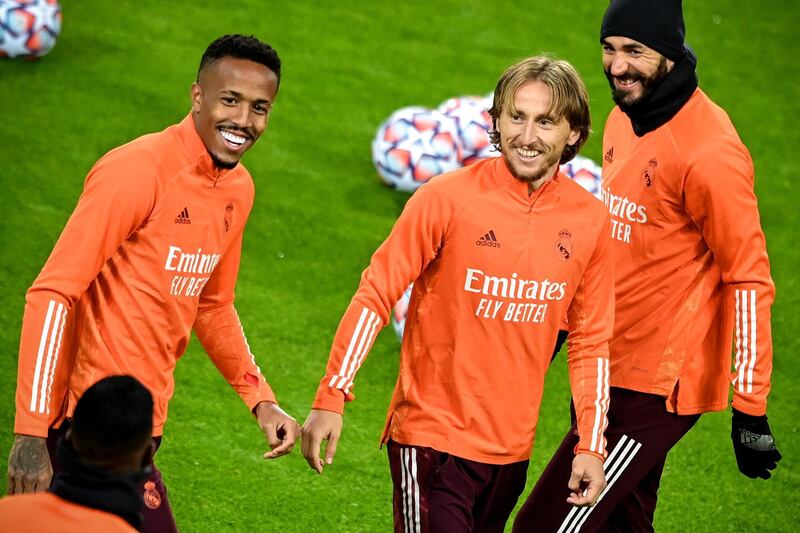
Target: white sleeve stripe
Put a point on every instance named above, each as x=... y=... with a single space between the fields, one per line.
x=353 y=341
x=247 y=344
x=745 y=341
x=738 y=360
x=363 y=351
x=40 y=355
x=55 y=358
x=364 y=344
x=599 y=401
x=753 y=352
x=53 y=335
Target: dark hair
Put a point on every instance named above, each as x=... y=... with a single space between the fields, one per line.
x=113 y=418
x=569 y=96
x=242 y=47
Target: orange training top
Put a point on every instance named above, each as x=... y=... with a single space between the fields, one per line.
x=495 y=272
x=151 y=250
x=45 y=512
x=691 y=262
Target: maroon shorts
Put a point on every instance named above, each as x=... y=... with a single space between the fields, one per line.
x=640 y=433
x=157 y=511
x=438 y=492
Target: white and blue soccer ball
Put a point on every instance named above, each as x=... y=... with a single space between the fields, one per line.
x=400 y=312
x=413 y=145
x=28 y=28
x=471 y=115
x=585 y=173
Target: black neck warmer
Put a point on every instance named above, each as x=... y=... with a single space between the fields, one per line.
x=89 y=486
x=667 y=98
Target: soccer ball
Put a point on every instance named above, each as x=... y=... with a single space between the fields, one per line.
x=28 y=28
x=471 y=115
x=400 y=311
x=585 y=173
x=413 y=145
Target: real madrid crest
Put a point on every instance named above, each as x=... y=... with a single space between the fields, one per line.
x=564 y=245
x=649 y=173
x=151 y=497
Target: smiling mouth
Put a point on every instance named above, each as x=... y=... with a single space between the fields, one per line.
x=527 y=155
x=625 y=83
x=233 y=140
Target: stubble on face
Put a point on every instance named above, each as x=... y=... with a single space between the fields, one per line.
x=531 y=177
x=625 y=99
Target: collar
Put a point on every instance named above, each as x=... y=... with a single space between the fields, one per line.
x=196 y=151
x=519 y=189
x=667 y=98
x=86 y=485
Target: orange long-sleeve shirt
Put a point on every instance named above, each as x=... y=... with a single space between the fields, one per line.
x=151 y=250
x=47 y=513
x=496 y=272
x=691 y=262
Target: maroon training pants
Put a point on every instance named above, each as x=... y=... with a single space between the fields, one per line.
x=435 y=492
x=640 y=433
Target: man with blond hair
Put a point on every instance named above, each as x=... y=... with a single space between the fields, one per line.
x=499 y=253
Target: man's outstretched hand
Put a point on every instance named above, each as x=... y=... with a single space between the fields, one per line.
x=280 y=429
x=587 y=480
x=321 y=425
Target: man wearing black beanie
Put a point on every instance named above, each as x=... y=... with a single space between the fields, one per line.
x=692 y=277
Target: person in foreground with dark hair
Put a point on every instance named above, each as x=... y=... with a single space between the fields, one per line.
x=151 y=252
x=105 y=456
x=499 y=252
x=693 y=285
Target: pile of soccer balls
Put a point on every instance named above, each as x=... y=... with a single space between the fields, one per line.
x=416 y=143
x=28 y=28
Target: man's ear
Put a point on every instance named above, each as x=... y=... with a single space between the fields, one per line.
x=196 y=95
x=149 y=452
x=574 y=135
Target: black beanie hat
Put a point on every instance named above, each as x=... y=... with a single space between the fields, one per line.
x=657 y=24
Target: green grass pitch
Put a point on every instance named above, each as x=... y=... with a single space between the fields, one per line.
x=122 y=69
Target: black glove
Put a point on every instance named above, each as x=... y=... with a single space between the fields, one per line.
x=753 y=445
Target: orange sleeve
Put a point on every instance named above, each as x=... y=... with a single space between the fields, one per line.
x=119 y=193
x=591 y=321
x=220 y=331
x=719 y=196
x=413 y=242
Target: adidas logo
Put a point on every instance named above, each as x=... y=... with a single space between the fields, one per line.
x=489 y=240
x=609 y=157
x=183 y=217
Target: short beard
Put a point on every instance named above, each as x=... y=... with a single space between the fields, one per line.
x=529 y=178
x=225 y=165
x=648 y=84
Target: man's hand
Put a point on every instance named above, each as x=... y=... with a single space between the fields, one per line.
x=280 y=429
x=29 y=468
x=321 y=425
x=753 y=445
x=587 y=480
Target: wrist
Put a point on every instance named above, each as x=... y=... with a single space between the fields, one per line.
x=745 y=419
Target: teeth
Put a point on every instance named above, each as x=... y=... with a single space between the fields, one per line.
x=527 y=153
x=230 y=137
